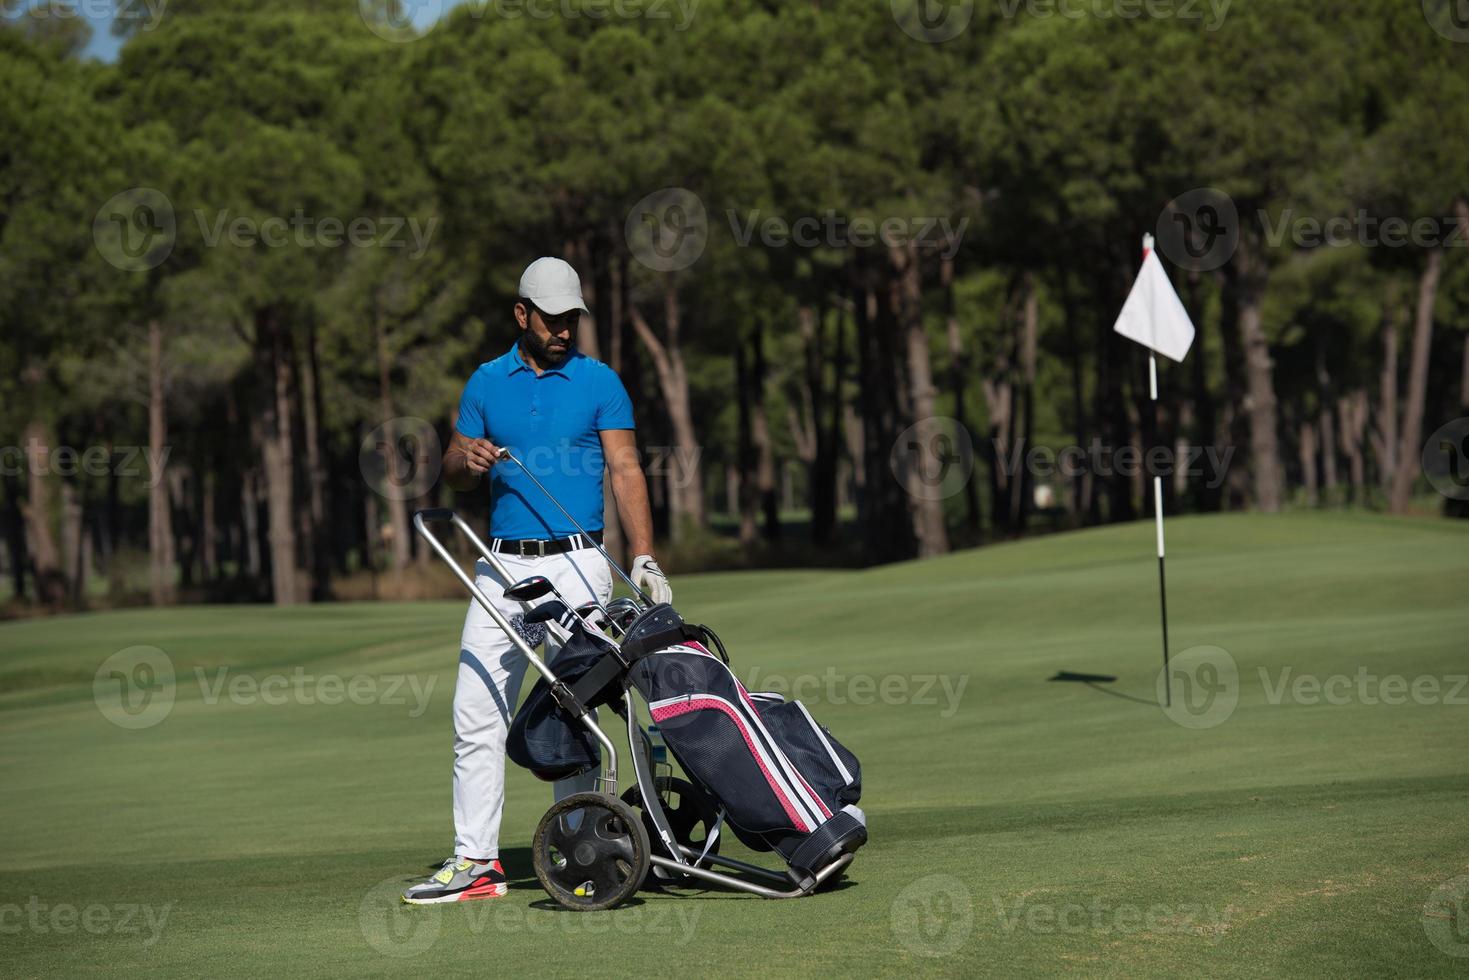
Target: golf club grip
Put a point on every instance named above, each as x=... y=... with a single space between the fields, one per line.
x=436 y=514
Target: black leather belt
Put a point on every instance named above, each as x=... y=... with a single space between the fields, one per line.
x=538 y=548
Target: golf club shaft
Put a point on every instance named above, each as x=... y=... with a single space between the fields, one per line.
x=574 y=523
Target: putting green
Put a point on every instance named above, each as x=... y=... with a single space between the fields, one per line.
x=1301 y=811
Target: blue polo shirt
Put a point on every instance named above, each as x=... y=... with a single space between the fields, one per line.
x=550 y=422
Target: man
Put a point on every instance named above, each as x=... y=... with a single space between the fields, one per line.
x=563 y=415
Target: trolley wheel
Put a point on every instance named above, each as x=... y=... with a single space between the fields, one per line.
x=590 y=852
x=691 y=812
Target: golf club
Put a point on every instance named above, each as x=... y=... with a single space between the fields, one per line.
x=574 y=523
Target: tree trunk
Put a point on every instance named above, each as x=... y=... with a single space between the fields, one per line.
x=686 y=487
x=72 y=543
x=958 y=381
x=278 y=457
x=250 y=521
x=927 y=509
x=1021 y=487
x=1385 y=436
x=398 y=542
x=1265 y=463
x=1352 y=412
x=1410 y=445
x=760 y=436
x=319 y=544
x=1308 y=450
x=41 y=537
x=160 y=520
x=1326 y=424
x=746 y=501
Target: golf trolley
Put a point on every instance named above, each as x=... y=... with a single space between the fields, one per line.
x=594 y=850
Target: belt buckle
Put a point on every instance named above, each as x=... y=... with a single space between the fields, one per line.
x=540 y=551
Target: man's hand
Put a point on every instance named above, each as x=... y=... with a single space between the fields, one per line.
x=466 y=460
x=647 y=576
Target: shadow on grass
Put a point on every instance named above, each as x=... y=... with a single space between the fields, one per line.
x=1094 y=681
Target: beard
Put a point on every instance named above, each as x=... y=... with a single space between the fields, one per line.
x=543 y=351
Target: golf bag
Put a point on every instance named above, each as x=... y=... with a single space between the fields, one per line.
x=785 y=783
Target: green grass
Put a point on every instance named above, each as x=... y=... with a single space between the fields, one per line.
x=1019 y=826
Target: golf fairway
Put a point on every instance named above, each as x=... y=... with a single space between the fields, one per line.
x=1311 y=822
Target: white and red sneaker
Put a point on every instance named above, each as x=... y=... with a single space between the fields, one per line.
x=459 y=880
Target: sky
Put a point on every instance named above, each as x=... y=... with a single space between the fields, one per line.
x=100 y=13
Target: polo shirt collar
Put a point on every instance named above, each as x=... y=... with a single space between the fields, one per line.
x=514 y=362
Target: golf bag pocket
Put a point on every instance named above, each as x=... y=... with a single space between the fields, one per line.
x=780 y=777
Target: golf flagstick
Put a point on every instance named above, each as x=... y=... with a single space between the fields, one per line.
x=1158 y=514
x=1155 y=317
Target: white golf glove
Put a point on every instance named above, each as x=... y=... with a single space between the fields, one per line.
x=650 y=578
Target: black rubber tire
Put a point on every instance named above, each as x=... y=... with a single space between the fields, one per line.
x=693 y=808
x=608 y=848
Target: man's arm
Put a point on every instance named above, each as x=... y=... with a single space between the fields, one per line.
x=466 y=460
x=630 y=487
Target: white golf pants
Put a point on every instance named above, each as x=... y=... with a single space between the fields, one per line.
x=488 y=686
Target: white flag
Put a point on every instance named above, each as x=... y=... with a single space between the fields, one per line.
x=1153 y=314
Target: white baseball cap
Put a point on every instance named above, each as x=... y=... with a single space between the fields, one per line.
x=553 y=286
